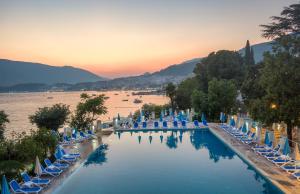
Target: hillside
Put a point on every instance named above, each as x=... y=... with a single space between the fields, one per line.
x=19 y=72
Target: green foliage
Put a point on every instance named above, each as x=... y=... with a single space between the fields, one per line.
x=149 y=108
x=249 y=55
x=51 y=117
x=14 y=155
x=279 y=74
x=87 y=110
x=287 y=23
x=221 y=97
x=184 y=93
x=221 y=65
x=3 y=120
x=251 y=88
x=200 y=101
x=171 y=93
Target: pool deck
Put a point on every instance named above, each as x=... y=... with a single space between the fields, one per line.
x=287 y=183
x=84 y=148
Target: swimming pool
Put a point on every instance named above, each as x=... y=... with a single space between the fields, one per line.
x=165 y=162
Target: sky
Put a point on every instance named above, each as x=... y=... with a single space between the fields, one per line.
x=128 y=37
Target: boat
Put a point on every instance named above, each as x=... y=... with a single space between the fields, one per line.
x=137 y=101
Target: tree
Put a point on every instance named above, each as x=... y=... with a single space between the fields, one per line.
x=251 y=88
x=88 y=110
x=222 y=64
x=3 y=121
x=221 y=97
x=280 y=75
x=200 y=101
x=51 y=117
x=184 y=93
x=171 y=93
x=249 y=55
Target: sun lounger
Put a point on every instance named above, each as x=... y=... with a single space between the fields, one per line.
x=165 y=124
x=75 y=155
x=196 y=123
x=136 y=125
x=51 y=171
x=156 y=124
x=34 y=181
x=14 y=185
x=56 y=165
x=291 y=167
x=297 y=175
x=175 y=124
x=67 y=159
x=282 y=160
x=144 y=124
x=183 y=123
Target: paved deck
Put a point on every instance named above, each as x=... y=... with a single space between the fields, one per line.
x=84 y=148
x=287 y=183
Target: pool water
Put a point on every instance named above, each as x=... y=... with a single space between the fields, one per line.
x=165 y=162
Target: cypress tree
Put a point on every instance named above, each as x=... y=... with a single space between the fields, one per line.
x=247 y=54
x=252 y=60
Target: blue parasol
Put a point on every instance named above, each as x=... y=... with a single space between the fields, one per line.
x=244 y=128
x=4 y=186
x=58 y=152
x=267 y=139
x=232 y=122
x=286 y=149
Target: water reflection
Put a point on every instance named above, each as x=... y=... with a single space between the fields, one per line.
x=98 y=156
x=201 y=139
x=172 y=141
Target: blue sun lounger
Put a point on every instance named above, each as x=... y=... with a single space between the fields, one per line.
x=290 y=167
x=51 y=171
x=144 y=124
x=57 y=165
x=75 y=155
x=183 y=123
x=67 y=159
x=165 y=124
x=196 y=123
x=281 y=160
x=136 y=125
x=34 y=181
x=297 y=175
x=156 y=124
x=14 y=185
x=175 y=124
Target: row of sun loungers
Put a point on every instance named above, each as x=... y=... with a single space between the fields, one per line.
x=51 y=169
x=77 y=137
x=164 y=125
x=273 y=154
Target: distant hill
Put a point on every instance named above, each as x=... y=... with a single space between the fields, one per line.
x=36 y=75
x=19 y=72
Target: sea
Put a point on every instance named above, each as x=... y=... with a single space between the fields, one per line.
x=19 y=106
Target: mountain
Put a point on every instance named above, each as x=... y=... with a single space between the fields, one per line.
x=77 y=79
x=19 y=72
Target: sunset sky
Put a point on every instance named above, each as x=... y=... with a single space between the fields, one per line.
x=129 y=37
